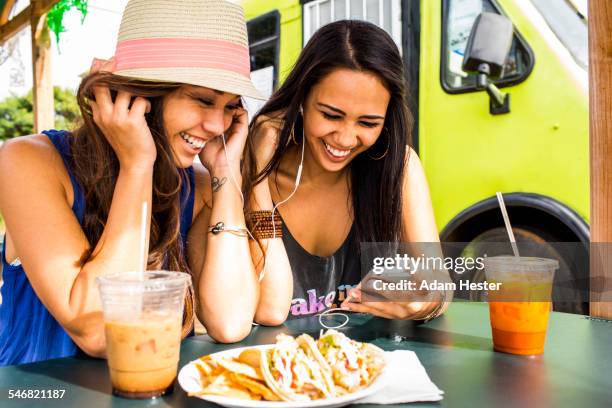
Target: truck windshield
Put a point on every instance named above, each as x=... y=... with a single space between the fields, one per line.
x=568 y=20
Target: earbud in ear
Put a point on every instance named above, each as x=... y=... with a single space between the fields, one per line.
x=301 y=109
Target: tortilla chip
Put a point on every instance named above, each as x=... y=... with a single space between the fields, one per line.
x=226 y=391
x=256 y=397
x=236 y=366
x=224 y=387
x=256 y=387
x=250 y=356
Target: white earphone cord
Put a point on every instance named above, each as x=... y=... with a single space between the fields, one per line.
x=298 y=176
x=297 y=183
x=333 y=312
x=234 y=179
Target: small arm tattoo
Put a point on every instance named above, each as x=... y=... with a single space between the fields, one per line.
x=217 y=183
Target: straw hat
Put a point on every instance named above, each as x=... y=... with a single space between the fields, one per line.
x=196 y=42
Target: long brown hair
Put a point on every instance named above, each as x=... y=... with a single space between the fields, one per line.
x=96 y=167
x=376 y=175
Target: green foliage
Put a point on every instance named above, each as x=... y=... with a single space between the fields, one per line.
x=67 y=112
x=16 y=113
x=16 y=117
x=55 y=16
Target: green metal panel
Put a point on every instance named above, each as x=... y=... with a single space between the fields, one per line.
x=540 y=147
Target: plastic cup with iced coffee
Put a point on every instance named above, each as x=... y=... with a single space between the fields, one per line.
x=520 y=308
x=143 y=313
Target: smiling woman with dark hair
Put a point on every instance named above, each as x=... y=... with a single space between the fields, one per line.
x=328 y=161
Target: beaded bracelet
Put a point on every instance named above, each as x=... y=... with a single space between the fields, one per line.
x=264 y=226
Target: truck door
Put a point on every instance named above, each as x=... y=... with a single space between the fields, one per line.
x=537 y=154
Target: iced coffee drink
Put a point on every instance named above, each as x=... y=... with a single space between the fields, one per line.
x=143 y=320
x=143 y=356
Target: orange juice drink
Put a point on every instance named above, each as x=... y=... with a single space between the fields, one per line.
x=519 y=310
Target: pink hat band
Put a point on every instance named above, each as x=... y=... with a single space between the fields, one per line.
x=182 y=53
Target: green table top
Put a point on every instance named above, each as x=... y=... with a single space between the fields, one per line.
x=455 y=349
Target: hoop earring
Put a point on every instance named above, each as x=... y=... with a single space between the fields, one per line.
x=292 y=136
x=386 y=151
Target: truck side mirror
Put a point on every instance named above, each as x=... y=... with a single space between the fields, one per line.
x=486 y=52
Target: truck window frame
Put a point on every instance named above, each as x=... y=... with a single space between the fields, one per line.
x=501 y=83
x=276 y=37
x=396 y=28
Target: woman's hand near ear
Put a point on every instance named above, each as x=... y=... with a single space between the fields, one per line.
x=122 y=121
x=124 y=125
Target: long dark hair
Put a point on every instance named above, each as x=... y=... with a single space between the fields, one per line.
x=97 y=168
x=376 y=185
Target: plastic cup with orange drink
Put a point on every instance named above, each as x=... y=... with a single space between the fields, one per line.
x=520 y=308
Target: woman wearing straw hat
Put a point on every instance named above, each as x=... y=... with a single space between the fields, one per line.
x=72 y=200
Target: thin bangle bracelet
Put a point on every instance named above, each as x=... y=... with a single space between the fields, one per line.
x=220 y=227
x=437 y=310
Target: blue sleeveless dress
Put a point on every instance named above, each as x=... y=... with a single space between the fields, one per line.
x=28 y=332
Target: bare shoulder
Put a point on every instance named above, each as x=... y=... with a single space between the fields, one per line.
x=32 y=155
x=412 y=164
x=272 y=116
x=34 y=162
x=272 y=120
x=411 y=154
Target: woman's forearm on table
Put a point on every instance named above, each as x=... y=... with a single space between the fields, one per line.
x=276 y=287
x=227 y=285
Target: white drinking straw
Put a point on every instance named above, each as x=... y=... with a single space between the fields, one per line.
x=143 y=240
x=502 y=205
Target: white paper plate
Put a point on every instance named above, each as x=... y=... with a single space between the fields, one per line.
x=189 y=379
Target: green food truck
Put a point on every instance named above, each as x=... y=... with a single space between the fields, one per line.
x=537 y=154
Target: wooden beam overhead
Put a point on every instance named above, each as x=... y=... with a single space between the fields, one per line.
x=36 y=9
x=6 y=9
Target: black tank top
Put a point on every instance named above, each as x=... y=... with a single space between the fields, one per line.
x=321 y=283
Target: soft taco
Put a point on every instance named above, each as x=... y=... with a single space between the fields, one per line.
x=309 y=345
x=292 y=374
x=354 y=365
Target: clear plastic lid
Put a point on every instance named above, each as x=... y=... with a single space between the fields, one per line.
x=149 y=281
x=520 y=264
